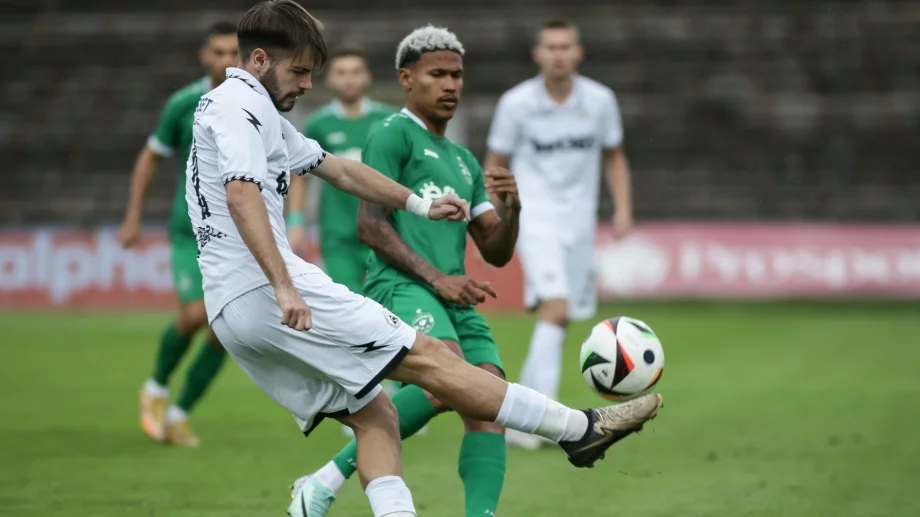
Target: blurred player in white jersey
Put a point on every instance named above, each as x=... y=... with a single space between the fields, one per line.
x=555 y=132
x=312 y=345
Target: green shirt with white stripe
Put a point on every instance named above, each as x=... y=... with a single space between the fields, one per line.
x=345 y=137
x=173 y=136
x=431 y=166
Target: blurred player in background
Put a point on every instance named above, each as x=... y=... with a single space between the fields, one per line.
x=173 y=136
x=555 y=131
x=341 y=128
x=416 y=268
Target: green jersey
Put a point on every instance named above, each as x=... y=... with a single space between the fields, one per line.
x=173 y=135
x=431 y=166
x=345 y=137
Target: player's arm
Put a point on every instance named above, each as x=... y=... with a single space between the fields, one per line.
x=495 y=233
x=243 y=167
x=616 y=168
x=297 y=199
x=161 y=143
x=364 y=182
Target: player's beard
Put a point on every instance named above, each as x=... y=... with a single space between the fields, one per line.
x=270 y=81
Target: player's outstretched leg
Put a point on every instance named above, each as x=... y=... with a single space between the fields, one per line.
x=477 y=394
x=378 y=452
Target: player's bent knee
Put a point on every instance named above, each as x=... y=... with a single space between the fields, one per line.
x=378 y=413
x=427 y=361
x=192 y=316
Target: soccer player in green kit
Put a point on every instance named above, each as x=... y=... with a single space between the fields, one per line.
x=341 y=128
x=173 y=136
x=417 y=270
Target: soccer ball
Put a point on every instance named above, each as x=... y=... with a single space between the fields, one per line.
x=622 y=357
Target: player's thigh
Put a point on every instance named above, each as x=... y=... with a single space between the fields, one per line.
x=346 y=265
x=581 y=271
x=543 y=261
x=476 y=340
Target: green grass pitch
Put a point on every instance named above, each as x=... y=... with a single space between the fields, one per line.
x=771 y=409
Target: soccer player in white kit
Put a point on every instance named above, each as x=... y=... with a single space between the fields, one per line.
x=312 y=345
x=554 y=132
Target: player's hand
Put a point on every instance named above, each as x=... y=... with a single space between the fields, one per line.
x=463 y=290
x=500 y=183
x=129 y=232
x=294 y=310
x=449 y=207
x=622 y=223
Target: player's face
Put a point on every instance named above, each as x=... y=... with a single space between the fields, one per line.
x=434 y=83
x=558 y=53
x=285 y=79
x=348 y=77
x=218 y=54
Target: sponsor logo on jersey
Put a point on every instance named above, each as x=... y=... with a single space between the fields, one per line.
x=564 y=144
x=431 y=192
x=429 y=152
x=391 y=318
x=423 y=321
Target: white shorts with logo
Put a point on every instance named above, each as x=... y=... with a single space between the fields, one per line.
x=559 y=268
x=331 y=370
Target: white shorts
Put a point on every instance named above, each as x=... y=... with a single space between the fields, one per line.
x=556 y=269
x=333 y=369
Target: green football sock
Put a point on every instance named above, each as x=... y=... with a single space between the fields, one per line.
x=200 y=374
x=415 y=410
x=172 y=346
x=482 y=469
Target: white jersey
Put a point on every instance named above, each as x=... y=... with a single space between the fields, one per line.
x=556 y=151
x=239 y=135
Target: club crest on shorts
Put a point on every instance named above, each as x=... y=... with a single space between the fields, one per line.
x=423 y=321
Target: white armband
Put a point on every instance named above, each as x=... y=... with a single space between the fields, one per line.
x=418 y=206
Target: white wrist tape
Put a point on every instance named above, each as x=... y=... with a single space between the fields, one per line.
x=418 y=206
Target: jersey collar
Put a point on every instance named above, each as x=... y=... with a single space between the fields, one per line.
x=406 y=112
x=339 y=110
x=572 y=101
x=249 y=79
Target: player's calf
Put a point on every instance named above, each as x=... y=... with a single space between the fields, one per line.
x=376 y=428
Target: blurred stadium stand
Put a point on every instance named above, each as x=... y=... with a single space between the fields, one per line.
x=747 y=110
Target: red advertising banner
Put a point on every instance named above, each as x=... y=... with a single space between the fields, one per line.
x=49 y=268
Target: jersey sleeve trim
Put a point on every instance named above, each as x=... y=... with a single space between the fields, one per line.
x=159 y=147
x=481 y=208
x=244 y=177
x=315 y=164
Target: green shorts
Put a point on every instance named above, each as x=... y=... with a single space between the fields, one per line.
x=186 y=275
x=428 y=314
x=345 y=264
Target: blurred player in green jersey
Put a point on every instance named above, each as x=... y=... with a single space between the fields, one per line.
x=173 y=136
x=341 y=128
x=416 y=268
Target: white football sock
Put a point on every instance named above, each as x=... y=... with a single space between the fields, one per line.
x=531 y=412
x=175 y=414
x=330 y=477
x=155 y=389
x=389 y=496
x=543 y=366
